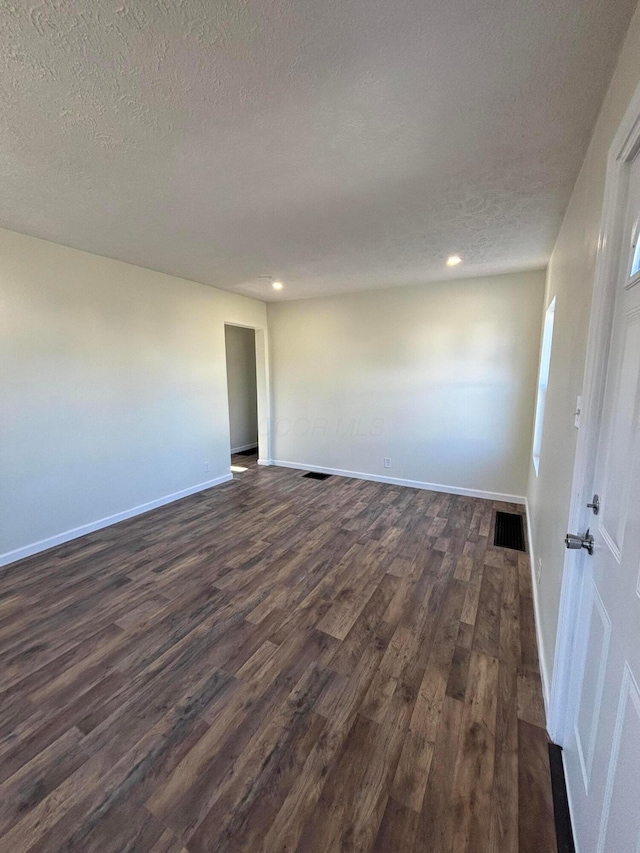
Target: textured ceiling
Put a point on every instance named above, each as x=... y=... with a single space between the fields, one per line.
x=336 y=144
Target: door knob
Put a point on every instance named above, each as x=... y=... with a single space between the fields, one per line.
x=574 y=542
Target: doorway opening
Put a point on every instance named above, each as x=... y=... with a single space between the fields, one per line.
x=242 y=390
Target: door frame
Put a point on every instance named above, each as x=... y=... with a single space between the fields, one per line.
x=263 y=389
x=623 y=149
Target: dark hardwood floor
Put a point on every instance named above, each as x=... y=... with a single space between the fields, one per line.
x=277 y=664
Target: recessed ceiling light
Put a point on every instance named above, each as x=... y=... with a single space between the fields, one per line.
x=277 y=285
x=454 y=260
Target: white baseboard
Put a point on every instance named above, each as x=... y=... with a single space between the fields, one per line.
x=265 y=462
x=396 y=481
x=76 y=532
x=242 y=447
x=544 y=673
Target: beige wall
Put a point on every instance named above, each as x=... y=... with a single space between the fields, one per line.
x=112 y=385
x=439 y=378
x=241 y=384
x=570 y=280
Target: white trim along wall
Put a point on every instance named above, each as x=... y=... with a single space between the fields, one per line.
x=76 y=532
x=396 y=481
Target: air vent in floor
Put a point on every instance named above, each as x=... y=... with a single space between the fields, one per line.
x=315 y=475
x=509 y=531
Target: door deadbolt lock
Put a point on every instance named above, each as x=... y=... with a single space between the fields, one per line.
x=595 y=504
x=574 y=543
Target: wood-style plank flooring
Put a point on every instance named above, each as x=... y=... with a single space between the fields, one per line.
x=277 y=664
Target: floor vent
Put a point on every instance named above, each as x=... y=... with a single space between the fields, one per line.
x=253 y=451
x=509 y=531
x=315 y=475
x=564 y=834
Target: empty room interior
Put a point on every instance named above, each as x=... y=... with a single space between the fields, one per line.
x=320 y=426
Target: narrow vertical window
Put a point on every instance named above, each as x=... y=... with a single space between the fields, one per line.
x=543 y=381
x=635 y=258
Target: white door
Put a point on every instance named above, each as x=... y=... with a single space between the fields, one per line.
x=602 y=741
